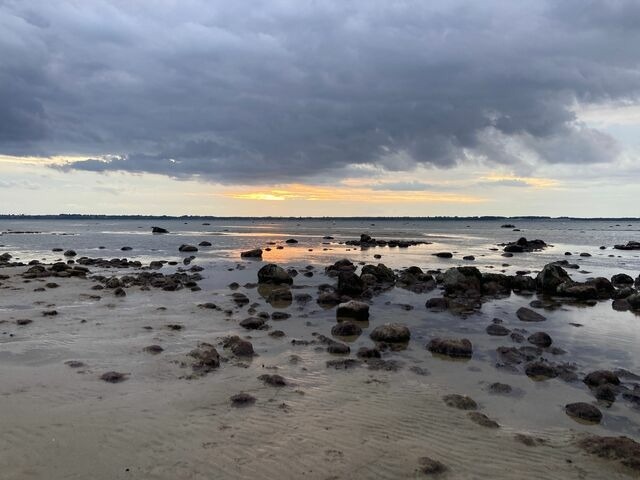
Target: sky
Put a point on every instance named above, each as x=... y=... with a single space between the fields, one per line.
x=320 y=108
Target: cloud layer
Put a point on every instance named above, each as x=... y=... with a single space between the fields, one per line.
x=280 y=91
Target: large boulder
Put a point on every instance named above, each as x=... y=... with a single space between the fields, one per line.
x=551 y=276
x=381 y=272
x=274 y=274
x=462 y=280
x=350 y=284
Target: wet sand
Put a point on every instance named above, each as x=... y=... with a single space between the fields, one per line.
x=165 y=422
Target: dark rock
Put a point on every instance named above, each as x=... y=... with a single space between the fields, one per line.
x=601 y=377
x=621 y=279
x=551 y=276
x=500 y=388
x=273 y=380
x=274 y=274
x=367 y=352
x=540 y=370
x=291 y=241
x=159 y=230
x=338 y=348
x=119 y=292
x=113 y=377
x=631 y=245
x=497 y=330
x=253 y=323
x=606 y=392
x=255 y=253
x=391 y=333
x=461 y=402
x=206 y=358
x=540 y=339
x=443 y=254
x=242 y=400
x=154 y=349
x=240 y=298
x=452 y=347
x=280 y=316
x=346 y=329
x=353 y=310
x=204 y=243
x=482 y=420
x=623 y=449
x=350 y=284
x=583 y=411
x=527 y=315
x=429 y=466
x=187 y=248
x=437 y=304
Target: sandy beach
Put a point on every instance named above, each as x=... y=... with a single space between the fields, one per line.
x=331 y=415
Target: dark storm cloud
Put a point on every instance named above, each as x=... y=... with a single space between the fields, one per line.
x=284 y=90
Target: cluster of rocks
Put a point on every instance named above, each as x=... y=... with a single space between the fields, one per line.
x=59 y=269
x=147 y=280
x=631 y=245
x=366 y=241
x=523 y=245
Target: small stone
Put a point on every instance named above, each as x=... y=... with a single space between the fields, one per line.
x=242 y=400
x=583 y=411
x=273 y=380
x=482 y=420
x=461 y=402
x=113 y=377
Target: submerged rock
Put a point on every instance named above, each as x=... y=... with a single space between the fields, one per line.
x=482 y=420
x=346 y=329
x=273 y=380
x=429 y=466
x=113 y=377
x=242 y=400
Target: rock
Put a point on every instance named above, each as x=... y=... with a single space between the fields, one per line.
x=482 y=420
x=437 y=304
x=273 y=380
x=280 y=297
x=391 y=333
x=119 y=292
x=159 y=230
x=381 y=272
x=206 y=357
x=467 y=280
x=452 y=347
x=68 y=253
x=461 y=402
x=239 y=347
x=623 y=449
x=329 y=299
x=23 y=321
x=346 y=329
x=443 y=255
x=113 y=282
x=367 y=352
x=500 y=388
x=540 y=339
x=527 y=315
x=469 y=258
x=353 y=310
x=242 y=400
x=621 y=279
x=606 y=392
x=343 y=363
x=540 y=370
x=338 y=348
x=277 y=316
x=113 y=377
x=154 y=349
x=253 y=323
x=507 y=225
x=524 y=245
x=551 y=276
x=291 y=241
x=277 y=334
x=126 y=249
x=497 y=330
x=631 y=245
x=204 y=243
x=429 y=466
x=239 y=298
x=274 y=274
x=601 y=377
x=343 y=265
x=74 y=364
x=350 y=284
x=583 y=411
x=255 y=253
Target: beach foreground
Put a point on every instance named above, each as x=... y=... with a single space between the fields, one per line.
x=213 y=370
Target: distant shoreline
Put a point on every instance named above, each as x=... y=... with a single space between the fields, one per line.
x=210 y=217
